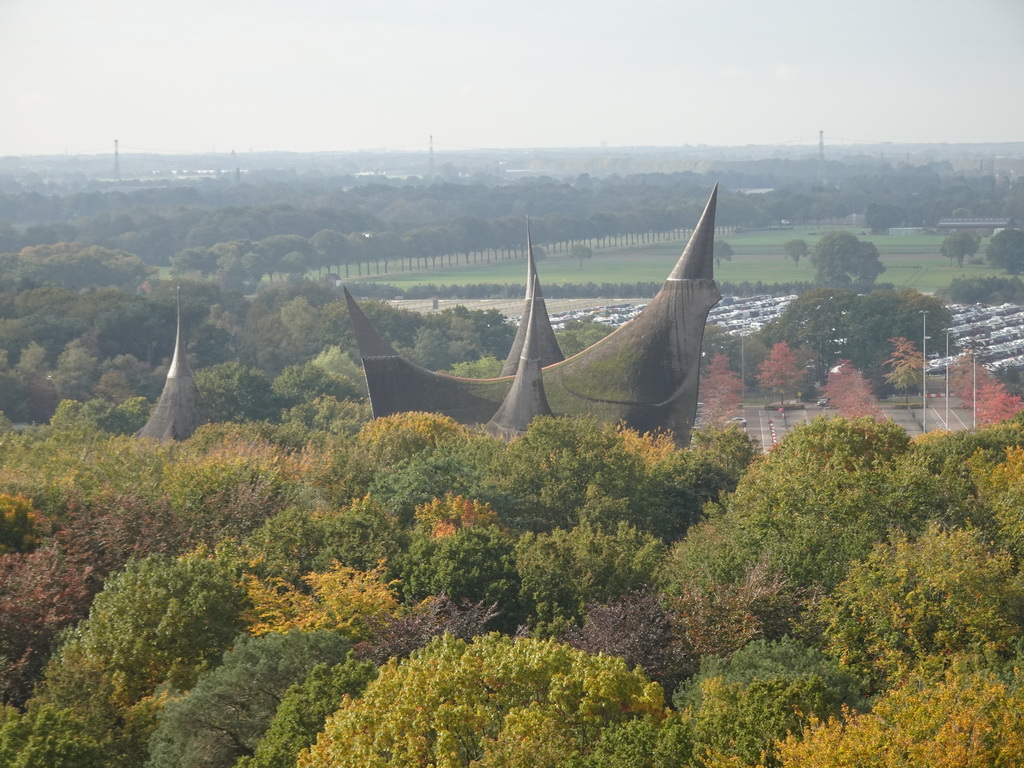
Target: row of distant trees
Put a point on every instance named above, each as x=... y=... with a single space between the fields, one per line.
x=156 y=223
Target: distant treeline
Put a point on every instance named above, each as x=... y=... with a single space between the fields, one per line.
x=425 y=221
x=640 y=290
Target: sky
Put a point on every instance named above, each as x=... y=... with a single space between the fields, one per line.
x=183 y=76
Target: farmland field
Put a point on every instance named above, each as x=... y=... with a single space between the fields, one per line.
x=911 y=261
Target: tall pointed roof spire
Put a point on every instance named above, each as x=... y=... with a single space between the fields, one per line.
x=697 y=259
x=646 y=374
x=532 y=285
x=526 y=398
x=370 y=343
x=179 y=363
x=179 y=410
x=547 y=345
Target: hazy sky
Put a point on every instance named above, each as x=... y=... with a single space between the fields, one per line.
x=305 y=75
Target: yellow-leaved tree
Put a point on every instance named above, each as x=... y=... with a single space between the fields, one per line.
x=967 y=719
x=342 y=598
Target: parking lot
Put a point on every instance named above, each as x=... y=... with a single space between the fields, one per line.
x=767 y=426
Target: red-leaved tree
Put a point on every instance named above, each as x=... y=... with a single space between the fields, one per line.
x=969 y=381
x=721 y=391
x=781 y=370
x=850 y=393
x=41 y=592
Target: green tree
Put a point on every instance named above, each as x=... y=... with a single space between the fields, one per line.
x=841 y=260
x=565 y=470
x=562 y=571
x=643 y=743
x=723 y=252
x=159 y=621
x=881 y=217
x=1006 y=250
x=235 y=392
x=294 y=541
x=331 y=249
x=77 y=372
x=960 y=245
x=458 y=549
x=922 y=601
x=796 y=250
x=303 y=383
x=494 y=702
x=581 y=252
x=224 y=715
x=303 y=710
x=742 y=705
x=124 y=419
x=816 y=503
x=577 y=335
x=487 y=367
x=47 y=737
x=821 y=319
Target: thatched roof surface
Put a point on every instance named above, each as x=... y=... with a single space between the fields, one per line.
x=547 y=345
x=645 y=374
x=179 y=410
x=525 y=400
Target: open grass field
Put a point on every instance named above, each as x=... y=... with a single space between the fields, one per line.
x=912 y=261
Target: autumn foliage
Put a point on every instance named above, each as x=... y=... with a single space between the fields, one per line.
x=721 y=392
x=781 y=371
x=849 y=393
x=763 y=592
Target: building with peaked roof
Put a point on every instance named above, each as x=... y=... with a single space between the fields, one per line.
x=644 y=375
x=548 y=351
x=525 y=399
x=179 y=410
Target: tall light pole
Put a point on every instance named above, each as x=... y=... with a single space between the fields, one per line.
x=924 y=370
x=974 y=377
x=947 y=379
x=743 y=372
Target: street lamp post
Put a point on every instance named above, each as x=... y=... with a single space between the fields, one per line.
x=947 y=379
x=743 y=372
x=924 y=370
x=974 y=383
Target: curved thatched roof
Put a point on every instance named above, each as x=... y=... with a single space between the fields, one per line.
x=645 y=374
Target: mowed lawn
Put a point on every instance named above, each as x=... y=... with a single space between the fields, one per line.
x=910 y=262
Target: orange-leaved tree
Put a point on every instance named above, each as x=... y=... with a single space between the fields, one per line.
x=905 y=364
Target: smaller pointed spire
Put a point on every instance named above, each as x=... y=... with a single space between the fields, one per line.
x=179 y=363
x=532 y=285
x=179 y=411
x=370 y=343
x=547 y=345
x=698 y=259
x=526 y=399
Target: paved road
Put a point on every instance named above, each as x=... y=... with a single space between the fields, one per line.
x=768 y=426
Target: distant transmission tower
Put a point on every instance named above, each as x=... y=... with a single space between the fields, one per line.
x=821 y=157
x=117 y=162
x=430 y=171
